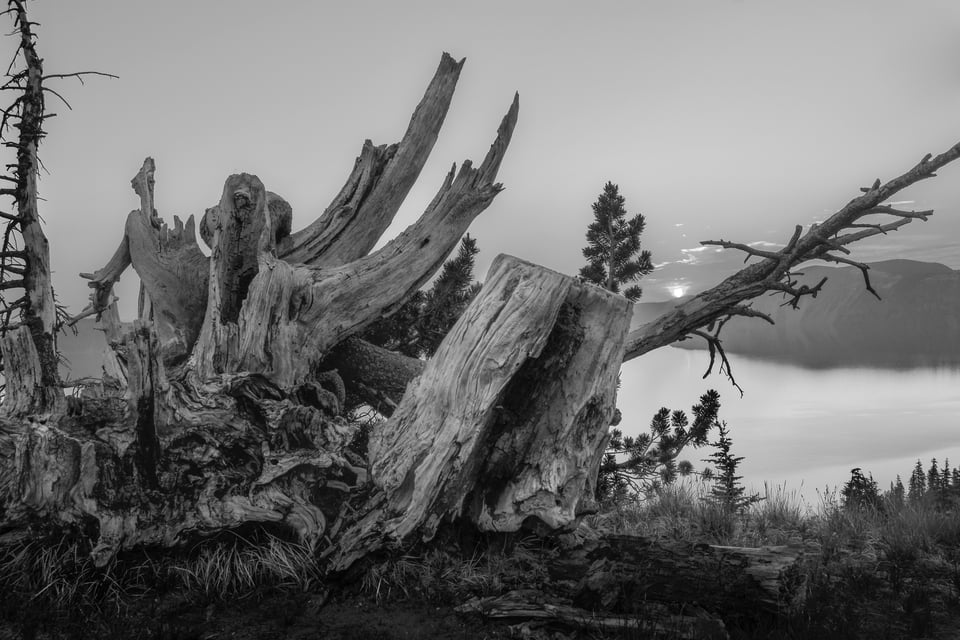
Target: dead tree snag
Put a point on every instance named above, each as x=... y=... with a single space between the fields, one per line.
x=223 y=404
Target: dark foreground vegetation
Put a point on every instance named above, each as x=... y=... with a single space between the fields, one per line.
x=875 y=565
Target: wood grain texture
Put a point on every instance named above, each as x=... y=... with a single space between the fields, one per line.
x=506 y=423
x=381 y=178
x=242 y=230
x=25 y=392
x=295 y=314
x=172 y=270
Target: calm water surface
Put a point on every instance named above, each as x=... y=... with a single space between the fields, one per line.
x=806 y=427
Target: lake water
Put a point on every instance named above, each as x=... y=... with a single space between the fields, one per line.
x=806 y=427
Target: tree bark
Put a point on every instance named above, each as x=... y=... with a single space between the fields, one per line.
x=172 y=270
x=380 y=181
x=242 y=230
x=293 y=315
x=24 y=391
x=37 y=307
x=506 y=424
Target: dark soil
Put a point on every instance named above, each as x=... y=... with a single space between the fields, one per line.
x=270 y=617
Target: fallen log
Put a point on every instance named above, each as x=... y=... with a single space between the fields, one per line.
x=679 y=589
x=614 y=571
x=649 y=619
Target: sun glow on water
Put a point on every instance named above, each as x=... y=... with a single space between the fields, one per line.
x=677 y=292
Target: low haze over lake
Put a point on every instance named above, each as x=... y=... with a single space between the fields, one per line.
x=797 y=424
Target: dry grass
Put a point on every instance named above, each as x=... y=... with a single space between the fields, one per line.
x=52 y=583
x=888 y=571
x=446 y=575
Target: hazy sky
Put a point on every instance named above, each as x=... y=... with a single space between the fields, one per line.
x=717 y=118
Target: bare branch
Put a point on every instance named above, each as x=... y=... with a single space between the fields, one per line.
x=864 y=268
x=774 y=273
x=791 y=245
x=62 y=99
x=94 y=308
x=79 y=75
x=873 y=230
x=886 y=209
x=790 y=288
x=11 y=284
x=749 y=312
x=742 y=247
x=382 y=176
x=716 y=347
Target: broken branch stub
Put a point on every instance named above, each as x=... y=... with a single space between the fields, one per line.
x=381 y=178
x=242 y=230
x=294 y=314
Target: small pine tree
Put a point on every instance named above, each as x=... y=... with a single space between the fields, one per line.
x=636 y=465
x=897 y=491
x=450 y=294
x=861 y=492
x=418 y=327
x=398 y=332
x=918 y=483
x=727 y=491
x=933 y=477
x=613 y=253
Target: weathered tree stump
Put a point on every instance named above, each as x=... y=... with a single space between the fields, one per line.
x=506 y=424
x=223 y=409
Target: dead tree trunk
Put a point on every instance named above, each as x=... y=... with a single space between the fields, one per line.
x=31 y=261
x=233 y=413
x=509 y=431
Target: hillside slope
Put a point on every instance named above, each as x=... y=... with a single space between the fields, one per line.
x=917 y=322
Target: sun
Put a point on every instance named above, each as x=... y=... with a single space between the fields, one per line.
x=677 y=292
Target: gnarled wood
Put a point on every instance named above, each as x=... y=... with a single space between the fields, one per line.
x=134 y=473
x=24 y=390
x=143 y=185
x=374 y=376
x=172 y=270
x=506 y=424
x=381 y=178
x=148 y=398
x=241 y=231
x=504 y=427
x=279 y=210
x=294 y=314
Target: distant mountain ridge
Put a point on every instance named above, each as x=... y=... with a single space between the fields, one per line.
x=917 y=322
